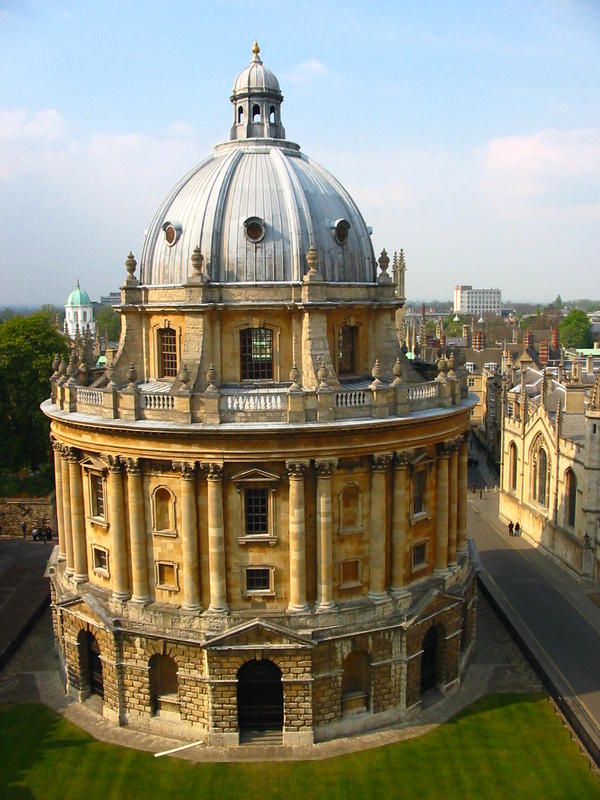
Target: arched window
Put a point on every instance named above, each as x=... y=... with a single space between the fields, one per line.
x=356 y=682
x=163 y=510
x=256 y=354
x=542 y=479
x=256 y=113
x=167 y=353
x=272 y=115
x=240 y=114
x=512 y=462
x=571 y=496
x=348 y=350
x=164 y=683
x=350 y=508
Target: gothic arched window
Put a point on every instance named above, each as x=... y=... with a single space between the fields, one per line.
x=512 y=462
x=571 y=496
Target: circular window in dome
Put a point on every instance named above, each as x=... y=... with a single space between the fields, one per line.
x=255 y=228
x=342 y=226
x=172 y=231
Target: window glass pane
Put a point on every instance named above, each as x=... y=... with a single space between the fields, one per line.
x=418 y=495
x=256 y=354
x=257 y=579
x=348 y=340
x=168 y=352
x=257 y=517
x=97 y=496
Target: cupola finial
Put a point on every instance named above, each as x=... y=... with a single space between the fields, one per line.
x=255 y=51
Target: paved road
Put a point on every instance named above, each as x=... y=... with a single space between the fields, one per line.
x=556 y=610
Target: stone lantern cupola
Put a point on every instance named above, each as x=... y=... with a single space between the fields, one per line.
x=256 y=102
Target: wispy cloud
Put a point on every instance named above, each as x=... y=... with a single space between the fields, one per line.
x=306 y=72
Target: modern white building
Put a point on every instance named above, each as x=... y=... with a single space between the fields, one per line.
x=79 y=312
x=476 y=301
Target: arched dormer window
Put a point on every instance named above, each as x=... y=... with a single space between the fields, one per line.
x=272 y=115
x=512 y=466
x=167 y=353
x=163 y=511
x=256 y=113
x=570 y=497
x=240 y=114
x=256 y=354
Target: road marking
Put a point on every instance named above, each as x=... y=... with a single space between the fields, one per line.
x=505 y=538
x=545 y=652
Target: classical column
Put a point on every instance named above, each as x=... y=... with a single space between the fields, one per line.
x=441 y=511
x=216 y=541
x=64 y=456
x=77 y=518
x=461 y=523
x=137 y=532
x=116 y=521
x=379 y=466
x=189 y=525
x=59 y=486
x=297 y=537
x=324 y=469
x=453 y=506
x=399 y=524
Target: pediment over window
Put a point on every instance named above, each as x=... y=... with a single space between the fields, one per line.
x=93 y=462
x=255 y=476
x=258 y=633
x=420 y=457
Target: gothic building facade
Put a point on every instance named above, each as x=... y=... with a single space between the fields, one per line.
x=262 y=504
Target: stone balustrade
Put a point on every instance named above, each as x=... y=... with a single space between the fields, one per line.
x=241 y=405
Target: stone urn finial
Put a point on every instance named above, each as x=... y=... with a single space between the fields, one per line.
x=73 y=367
x=130 y=265
x=132 y=375
x=197 y=260
x=397 y=372
x=376 y=372
x=384 y=262
x=322 y=376
x=295 y=377
x=451 y=371
x=312 y=260
x=211 y=377
x=184 y=375
x=442 y=366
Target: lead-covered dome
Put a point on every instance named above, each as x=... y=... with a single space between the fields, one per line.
x=256 y=206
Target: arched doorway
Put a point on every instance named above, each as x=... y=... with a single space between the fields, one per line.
x=90 y=666
x=429 y=661
x=259 y=696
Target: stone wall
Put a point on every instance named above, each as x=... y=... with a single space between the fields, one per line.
x=31 y=510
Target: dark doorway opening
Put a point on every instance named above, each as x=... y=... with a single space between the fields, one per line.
x=90 y=664
x=260 y=696
x=428 y=661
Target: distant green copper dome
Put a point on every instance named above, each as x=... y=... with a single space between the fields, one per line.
x=78 y=297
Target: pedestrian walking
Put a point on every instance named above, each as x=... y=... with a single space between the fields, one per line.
x=517 y=529
x=511 y=528
x=24 y=528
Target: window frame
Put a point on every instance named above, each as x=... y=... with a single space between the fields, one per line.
x=98 y=549
x=246 y=348
x=166 y=587
x=354 y=368
x=343 y=531
x=420 y=565
x=168 y=532
x=268 y=592
x=94 y=475
x=354 y=584
x=173 y=368
x=423 y=512
x=257 y=479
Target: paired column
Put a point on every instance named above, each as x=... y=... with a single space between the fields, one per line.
x=66 y=497
x=216 y=541
x=324 y=469
x=461 y=533
x=191 y=550
x=377 y=588
x=59 y=486
x=453 y=505
x=137 y=532
x=297 y=537
x=77 y=518
x=399 y=524
x=441 y=512
x=116 y=521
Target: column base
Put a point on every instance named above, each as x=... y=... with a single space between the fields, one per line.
x=321 y=608
x=462 y=551
x=69 y=572
x=122 y=597
x=442 y=573
x=294 y=608
x=79 y=578
x=191 y=607
x=61 y=557
x=401 y=593
x=378 y=597
x=141 y=601
x=217 y=609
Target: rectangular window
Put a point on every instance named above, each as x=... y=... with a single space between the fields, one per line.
x=256 y=354
x=419 y=555
x=167 y=342
x=258 y=579
x=100 y=560
x=97 y=490
x=166 y=575
x=348 y=349
x=257 y=511
x=419 y=484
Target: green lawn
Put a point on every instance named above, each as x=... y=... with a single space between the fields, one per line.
x=503 y=746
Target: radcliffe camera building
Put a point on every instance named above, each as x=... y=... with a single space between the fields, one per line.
x=261 y=502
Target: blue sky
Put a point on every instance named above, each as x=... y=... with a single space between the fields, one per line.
x=467 y=132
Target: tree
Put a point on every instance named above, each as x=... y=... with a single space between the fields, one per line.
x=575 y=329
x=27 y=348
x=110 y=319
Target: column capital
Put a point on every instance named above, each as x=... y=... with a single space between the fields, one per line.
x=187 y=469
x=401 y=459
x=115 y=463
x=56 y=445
x=71 y=454
x=214 y=471
x=296 y=469
x=325 y=466
x=381 y=461
x=444 y=449
x=133 y=466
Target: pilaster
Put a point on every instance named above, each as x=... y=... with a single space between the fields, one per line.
x=137 y=531
x=379 y=467
x=189 y=524
x=399 y=525
x=297 y=537
x=116 y=521
x=216 y=541
x=324 y=469
x=77 y=517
